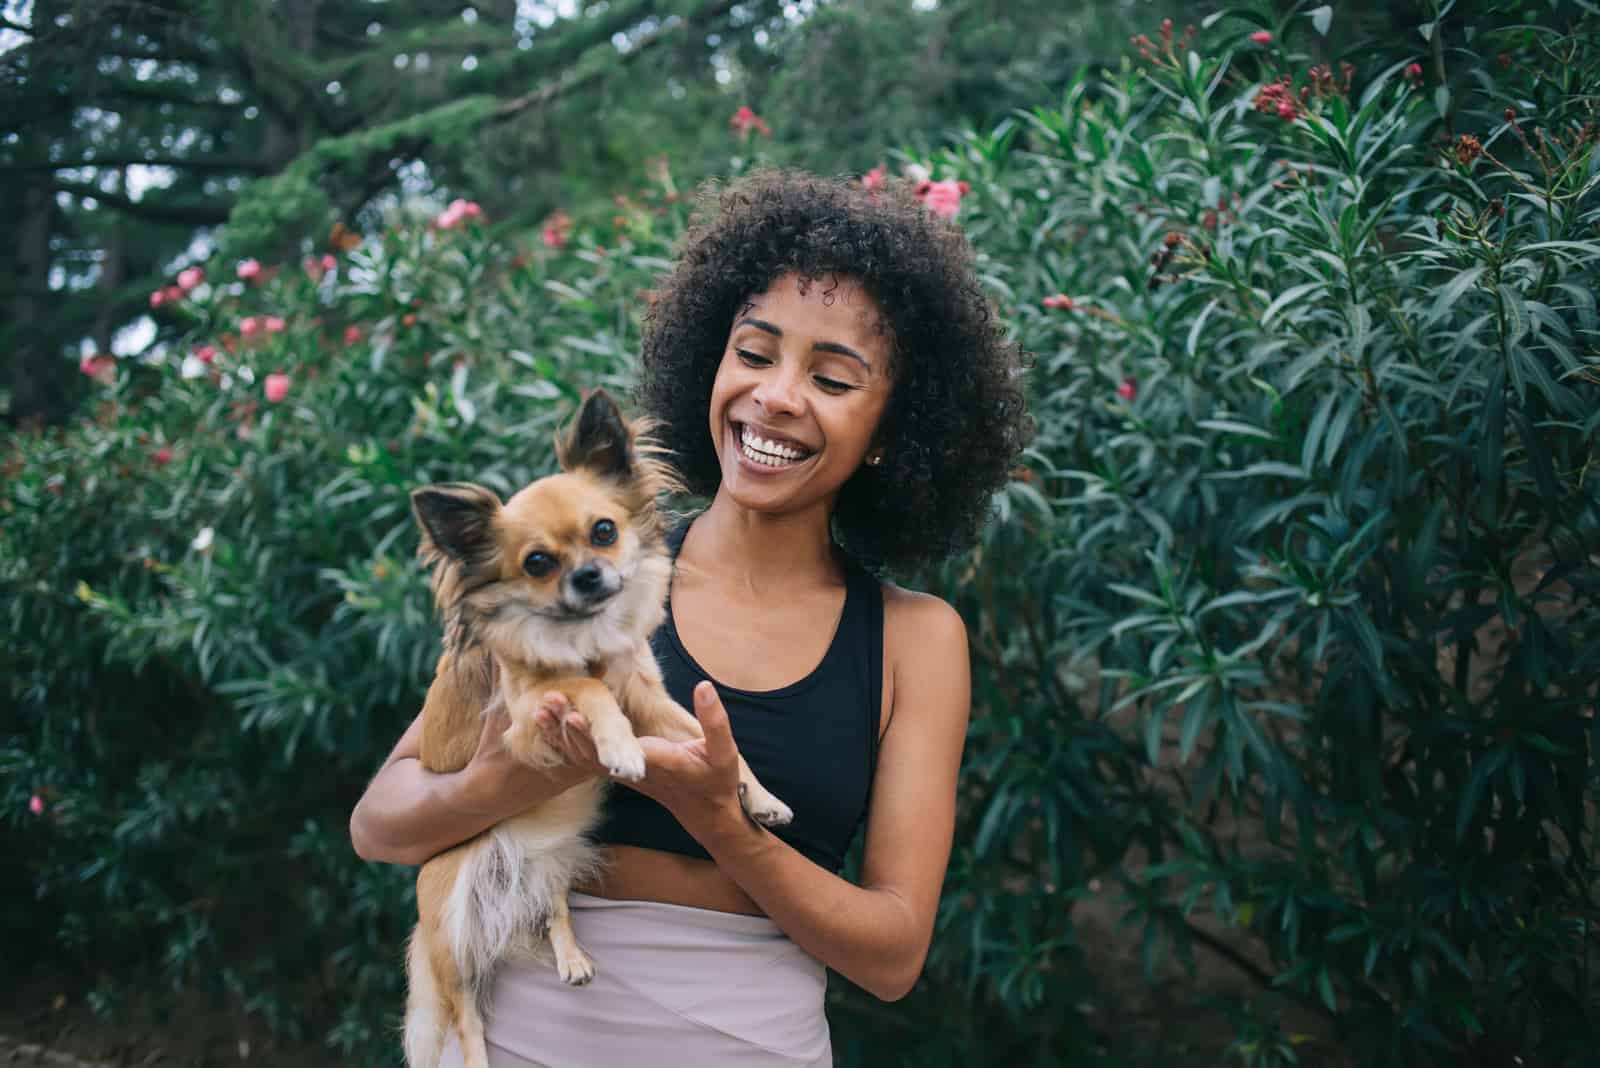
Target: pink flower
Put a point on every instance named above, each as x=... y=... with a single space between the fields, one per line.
x=1261 y=37
x=1058 y=300
x=158 y=298
x=458 y=211
x=745 y=120
x=173 y=294
x=163 y=456
x=1276 y=99
x=190 y=277
x=249 y=326
x=206 y=353
x=557 y=230
x=277 y=387
x=101 y=368
x=248 y=270
x=1128 y=390
x=36 y=805
x=317 y=266
x=942 y=198
x=273 y=324
x=1414 y=74
x=875 y=178
x=352 y=335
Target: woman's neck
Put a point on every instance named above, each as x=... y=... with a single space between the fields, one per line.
x=761 y=552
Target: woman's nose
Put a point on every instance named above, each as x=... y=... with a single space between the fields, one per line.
x=779 y=392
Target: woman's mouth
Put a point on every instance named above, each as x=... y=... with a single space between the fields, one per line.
x=769 y=452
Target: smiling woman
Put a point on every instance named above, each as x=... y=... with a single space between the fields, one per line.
x=823 y=366
x=800 y=392
x=883 y=293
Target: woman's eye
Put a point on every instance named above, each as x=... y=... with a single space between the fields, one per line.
x=753 y=359
x=604 y=532
x=833 y=385
x=538 y=564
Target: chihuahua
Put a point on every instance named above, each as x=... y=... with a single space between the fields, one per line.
x=556 y=590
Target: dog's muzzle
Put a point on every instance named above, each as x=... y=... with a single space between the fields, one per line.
x=592 y=584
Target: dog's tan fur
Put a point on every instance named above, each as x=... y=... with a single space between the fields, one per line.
x=512 y=636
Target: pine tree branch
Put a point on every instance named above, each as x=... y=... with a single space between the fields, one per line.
x=152 y=93
x=253 y=165
x=590 y=68
x=212 y=212
x=552 y=49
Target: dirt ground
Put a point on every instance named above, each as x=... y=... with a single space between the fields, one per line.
x=47 y=1025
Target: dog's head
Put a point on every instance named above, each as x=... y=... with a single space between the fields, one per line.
x=573 y=568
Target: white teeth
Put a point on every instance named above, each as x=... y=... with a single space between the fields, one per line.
x=771 y=453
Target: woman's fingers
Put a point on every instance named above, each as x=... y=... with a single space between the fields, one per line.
x=720 y=749
x=566 y=730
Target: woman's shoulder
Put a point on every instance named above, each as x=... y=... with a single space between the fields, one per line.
x=919 y=624
x=925 y=660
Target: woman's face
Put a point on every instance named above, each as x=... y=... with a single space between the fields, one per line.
x=798 y=396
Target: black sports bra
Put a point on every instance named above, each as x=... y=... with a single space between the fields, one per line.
x=813 y=743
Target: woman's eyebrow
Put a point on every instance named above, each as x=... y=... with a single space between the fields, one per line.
x=821 y=346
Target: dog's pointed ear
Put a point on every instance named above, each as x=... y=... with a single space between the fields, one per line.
x=458 y=518
x=599 y=440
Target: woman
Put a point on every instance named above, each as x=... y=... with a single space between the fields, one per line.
x=824 y=366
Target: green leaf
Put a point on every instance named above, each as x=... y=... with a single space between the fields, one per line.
x=1319 y=423
x=1289 y=296
x=1229 y=426
x=1485 y=769
x=1322 y=18
x=1516 y=318
x=1451 y=293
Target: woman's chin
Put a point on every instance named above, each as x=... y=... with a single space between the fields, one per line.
x=765 y=489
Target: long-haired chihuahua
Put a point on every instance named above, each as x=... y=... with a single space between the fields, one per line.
x=558 y=589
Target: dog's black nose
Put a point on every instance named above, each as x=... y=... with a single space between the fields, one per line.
x=587 y=579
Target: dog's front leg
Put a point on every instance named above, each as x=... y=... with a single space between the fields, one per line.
x=614 y=742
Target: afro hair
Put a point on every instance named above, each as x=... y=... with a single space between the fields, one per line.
x=956 y=420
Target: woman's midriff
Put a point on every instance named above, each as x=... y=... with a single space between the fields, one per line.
x=634 y=874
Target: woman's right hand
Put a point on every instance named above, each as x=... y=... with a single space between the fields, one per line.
x=497 y=783
x=409 y=814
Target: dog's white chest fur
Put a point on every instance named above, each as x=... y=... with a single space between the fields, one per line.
x=513 y=882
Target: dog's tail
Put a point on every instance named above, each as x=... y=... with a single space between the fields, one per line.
x=426 y=1026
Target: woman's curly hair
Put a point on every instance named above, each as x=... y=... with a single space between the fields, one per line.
x=956 y=419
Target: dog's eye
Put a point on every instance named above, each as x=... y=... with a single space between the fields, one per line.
x=604 y=532
x=538 y=564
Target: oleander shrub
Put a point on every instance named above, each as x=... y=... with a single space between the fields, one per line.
x=223 y=629
x=1285 y=637
x=1288 y=637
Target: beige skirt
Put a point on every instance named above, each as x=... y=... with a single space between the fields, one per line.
x=673 y=986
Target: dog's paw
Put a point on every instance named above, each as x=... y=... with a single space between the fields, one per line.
x=622 y=757
x=762 y=807
x=574 y=967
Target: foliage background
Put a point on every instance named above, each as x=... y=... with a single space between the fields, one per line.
x=1285 y=637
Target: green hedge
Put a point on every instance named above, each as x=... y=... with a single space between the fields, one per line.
x=1285 y=637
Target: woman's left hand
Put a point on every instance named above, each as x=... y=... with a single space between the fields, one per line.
x=697 y=781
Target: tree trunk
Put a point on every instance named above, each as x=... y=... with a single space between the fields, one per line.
x=38 y=381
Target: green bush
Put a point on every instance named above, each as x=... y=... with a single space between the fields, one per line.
x=1295 y=626
x=224 y=627
x=1285 y=637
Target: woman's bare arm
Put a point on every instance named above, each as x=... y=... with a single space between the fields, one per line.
x=876 y=934
x=409 y=814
